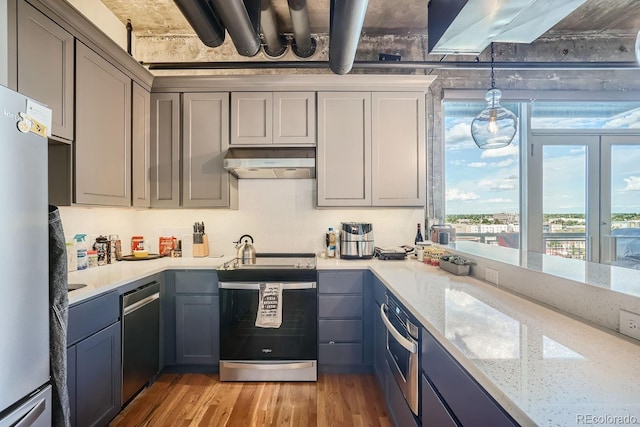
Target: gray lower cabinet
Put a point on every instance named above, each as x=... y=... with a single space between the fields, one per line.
x=45 y=66
x=343 y=344
x=103 y=131
x=205 y=136
x=455 y=389
x=140 y=146
x=165 y=150
x=197 y=319
x=94 y=369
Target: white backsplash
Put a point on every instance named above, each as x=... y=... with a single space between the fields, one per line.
x=280 y=215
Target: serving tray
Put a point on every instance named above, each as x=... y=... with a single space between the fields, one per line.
x=134 y=258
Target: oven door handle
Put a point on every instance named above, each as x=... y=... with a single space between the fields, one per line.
x=409 y=345
x=256 y=286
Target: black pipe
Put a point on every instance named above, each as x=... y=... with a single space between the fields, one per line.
x=202 y=20
x=235 y=18
x=404 y=65
x=345 y=25
x=129 y=32
x=304 y=45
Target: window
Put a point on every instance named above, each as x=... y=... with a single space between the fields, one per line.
x=482 y=194
x=579 y=173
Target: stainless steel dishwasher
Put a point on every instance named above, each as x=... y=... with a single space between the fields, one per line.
x=140 y=338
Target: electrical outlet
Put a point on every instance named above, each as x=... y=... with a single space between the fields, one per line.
x=491 y=275
x=630 y=324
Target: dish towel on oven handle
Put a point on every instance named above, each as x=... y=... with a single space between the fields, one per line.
x=269 y=306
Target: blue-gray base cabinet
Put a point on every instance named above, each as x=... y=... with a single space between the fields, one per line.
x=94 y=360
x=449 y=393
x=191 y=321
x=344 y=341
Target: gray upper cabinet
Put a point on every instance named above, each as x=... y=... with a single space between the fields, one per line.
x=398 y=149
x=103 y=131
x=45 y=66
x=371 y=149
x=165 y=150
x=251 y=118
x=205 y=136
x=278 y=118
x=344 y=149
x=141 y=146
x=294 y=118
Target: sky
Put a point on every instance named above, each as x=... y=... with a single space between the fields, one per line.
x=487 y=181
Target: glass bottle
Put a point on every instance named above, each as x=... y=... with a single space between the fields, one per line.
x=418 y=235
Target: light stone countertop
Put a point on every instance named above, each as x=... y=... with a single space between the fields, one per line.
x=543 y=367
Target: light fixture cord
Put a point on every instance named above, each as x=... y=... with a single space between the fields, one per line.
x=493 y=80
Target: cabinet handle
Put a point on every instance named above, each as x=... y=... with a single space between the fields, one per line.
x=332 y=342
x=32 y=416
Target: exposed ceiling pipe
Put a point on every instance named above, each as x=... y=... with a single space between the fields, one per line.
x=304 y=45
x=235 y=18
x=345 y=26
x=403 y=65
x=276 y=45
x=202 y=20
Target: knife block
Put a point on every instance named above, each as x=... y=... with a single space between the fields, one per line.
x=201 y=249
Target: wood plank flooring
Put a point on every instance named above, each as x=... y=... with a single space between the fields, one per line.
x=202 y=400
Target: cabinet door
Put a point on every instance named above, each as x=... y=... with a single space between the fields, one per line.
x=141 y=146
x=98 y=377
x=103 y=131
x=197 y=330
x=45 y=66
x=294 y=118
x=205 y=136
x=398 y=149
x=71 y=383
x=165 y=150
x=344 y=149
x=251 y=118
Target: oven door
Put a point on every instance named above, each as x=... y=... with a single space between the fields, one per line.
x=402 y=355
x=241 y=340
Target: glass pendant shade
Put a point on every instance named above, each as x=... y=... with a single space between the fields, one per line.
x=638 y=47
x=495 y=126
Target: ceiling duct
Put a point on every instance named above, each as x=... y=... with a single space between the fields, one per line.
x=304 y=45
x=469 y=26
x=345 y=25
x=276 y=45
x=202 y=20
x=235 y=17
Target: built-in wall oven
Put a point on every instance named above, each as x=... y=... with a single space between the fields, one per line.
x=402 y=349
x=285 y=351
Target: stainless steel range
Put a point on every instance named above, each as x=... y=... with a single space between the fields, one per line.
x=268 y=318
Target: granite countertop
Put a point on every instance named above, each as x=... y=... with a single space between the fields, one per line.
x=543 y=367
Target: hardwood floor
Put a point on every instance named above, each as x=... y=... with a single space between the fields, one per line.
x=202 y=400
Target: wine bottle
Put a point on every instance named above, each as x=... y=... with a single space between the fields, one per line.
x=419 y=235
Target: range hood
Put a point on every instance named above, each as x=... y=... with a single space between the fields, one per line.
x=271 y=163
x=469 y=26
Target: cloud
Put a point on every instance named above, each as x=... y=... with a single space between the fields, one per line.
x=477 y=164
x=509 y=150
x=456 y=195
x=497 y=184
x=633 y=183
x=498 y=200
x=458 y=137
x=505 y=163
x=457 y=162
x=627 y=120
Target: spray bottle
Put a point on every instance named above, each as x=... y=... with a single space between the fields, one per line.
x=81 y=250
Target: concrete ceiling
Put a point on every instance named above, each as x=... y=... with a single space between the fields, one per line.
x=384 y=17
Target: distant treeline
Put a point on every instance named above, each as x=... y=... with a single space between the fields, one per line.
x=488 y=218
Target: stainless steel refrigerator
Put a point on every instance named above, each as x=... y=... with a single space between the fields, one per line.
x=25 y=392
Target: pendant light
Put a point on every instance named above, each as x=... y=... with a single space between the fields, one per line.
x=495 y=126
x=638 y=47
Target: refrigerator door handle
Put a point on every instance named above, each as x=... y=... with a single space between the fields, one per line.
x=30 y=417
